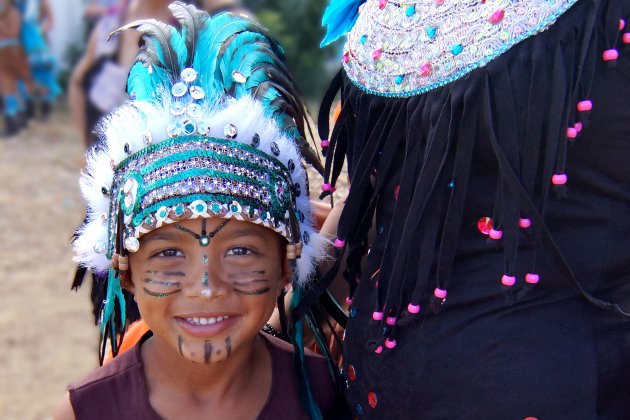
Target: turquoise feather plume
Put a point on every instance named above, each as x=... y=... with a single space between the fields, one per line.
x=216 y=47
x=339 y=17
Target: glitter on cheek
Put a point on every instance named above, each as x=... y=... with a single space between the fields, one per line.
x=204 y=260
x=204 y=279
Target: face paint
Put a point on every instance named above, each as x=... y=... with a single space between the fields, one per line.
x=241 y=286
x=204 y=240
x=207 y=351
x=228 y=345
x=162 y=284
x=180 y=342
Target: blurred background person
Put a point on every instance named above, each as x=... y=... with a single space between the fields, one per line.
x=10 y=23
x=37 y=21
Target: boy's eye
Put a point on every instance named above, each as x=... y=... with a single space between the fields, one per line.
x=239 y=250
x=171 y=252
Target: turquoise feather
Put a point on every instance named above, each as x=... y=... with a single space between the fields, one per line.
x=339 y=17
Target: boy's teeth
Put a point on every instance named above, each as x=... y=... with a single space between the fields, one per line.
x=206 y=321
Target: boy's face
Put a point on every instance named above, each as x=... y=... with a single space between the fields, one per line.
x=207 y=295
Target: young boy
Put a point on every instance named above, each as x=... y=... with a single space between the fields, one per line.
x=197 y=204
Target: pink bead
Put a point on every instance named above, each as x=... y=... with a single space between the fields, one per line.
x=376 y=54
x=378 y=350
x=524 y=223
x=382 y=4
x=571 y=132
x=439 y=293
x=413 y=309
x=377 y=316
x=349 y=301
x=508 y=280
x=439 y=2
x=622 y=24
x=586 y=105
x=328 y=187
x=626 y=38
x=495 y=234
x=559 y=179
x=497 y=16
x=346 y=57
x=532 y=278
x=610 y=55
x=390 y=344
x=340 y=243
x=425 y=69
x=578 y=126
x=391 y=320
x=324 y=143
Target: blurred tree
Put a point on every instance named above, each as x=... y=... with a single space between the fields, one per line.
x=297 y=26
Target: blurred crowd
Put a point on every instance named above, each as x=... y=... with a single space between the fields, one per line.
x=29 y=70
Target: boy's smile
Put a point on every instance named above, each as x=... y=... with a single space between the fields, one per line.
x=206 y=299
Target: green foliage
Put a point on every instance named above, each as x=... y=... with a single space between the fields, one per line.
x=297 y=26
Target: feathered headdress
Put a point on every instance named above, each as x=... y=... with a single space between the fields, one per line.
x=214 y=128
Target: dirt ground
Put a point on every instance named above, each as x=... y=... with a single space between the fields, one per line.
x=47 y=335
x=47 y=338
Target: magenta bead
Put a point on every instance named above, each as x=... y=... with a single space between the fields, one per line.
x=439 y=293
x=497 y=16
x=585 y=105
x=391 y=320
x=349 y=301
x=425 y=69
x=626 y=38
x=377 y=316
x=532 y=278
x=324 y=143
x=559 y=179
x=413 y=309
x=508 y=280
x=382 y=4
x=622 y=24
x=524 y=223
x=610 y=55
x=346 y=57
x=572 y=132
x=495 y=234
x=376 y=54
x=328 y=187
x=378 y=350
x=390 y=344
x=340 y=243
x=578 y=126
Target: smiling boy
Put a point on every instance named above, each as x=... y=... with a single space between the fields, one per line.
x=197 y=204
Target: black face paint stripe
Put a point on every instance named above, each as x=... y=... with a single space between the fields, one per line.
x=180 y=342
x=207 y=351
x=228 y=345
x=253 y=292
x=175 y=273
x=249 y=282
x=160 y=295
x=163 y=283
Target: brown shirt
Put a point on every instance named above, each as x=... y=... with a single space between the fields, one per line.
x=118 y=389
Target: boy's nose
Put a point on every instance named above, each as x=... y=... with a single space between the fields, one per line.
x=207 y=283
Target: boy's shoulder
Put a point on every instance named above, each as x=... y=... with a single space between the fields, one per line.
x=113 y=390
x=125 y=364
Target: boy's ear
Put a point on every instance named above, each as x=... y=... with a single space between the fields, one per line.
x=125 y=281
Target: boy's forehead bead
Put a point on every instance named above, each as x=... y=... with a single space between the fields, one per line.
x=179 y=89
x=230 y=131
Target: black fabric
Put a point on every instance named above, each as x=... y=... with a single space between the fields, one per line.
x=425 y=169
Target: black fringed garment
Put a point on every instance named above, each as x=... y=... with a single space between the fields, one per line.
x=456 y=184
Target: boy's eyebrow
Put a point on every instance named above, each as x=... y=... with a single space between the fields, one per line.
x=246 y=232
x=163 y=236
